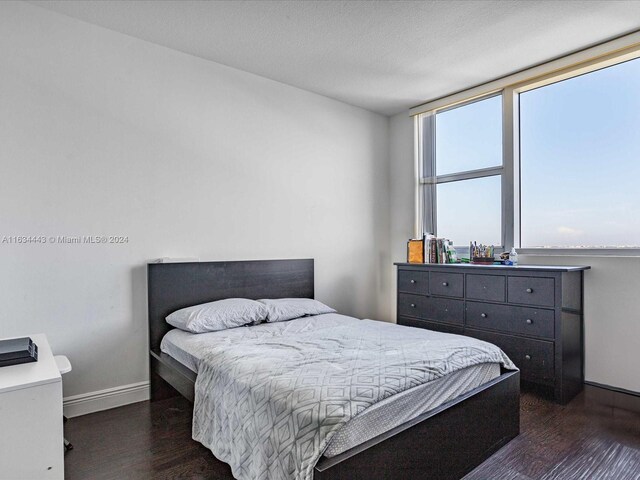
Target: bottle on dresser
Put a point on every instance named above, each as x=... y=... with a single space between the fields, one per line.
x=513 y=257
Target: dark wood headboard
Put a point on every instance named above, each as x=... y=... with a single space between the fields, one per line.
x=172 y=286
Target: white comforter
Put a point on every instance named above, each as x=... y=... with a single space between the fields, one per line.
x=269 y=398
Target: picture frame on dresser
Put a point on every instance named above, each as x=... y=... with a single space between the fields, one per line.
x=533 y=312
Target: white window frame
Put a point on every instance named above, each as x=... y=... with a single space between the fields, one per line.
x=595 y=58
x=429 y=180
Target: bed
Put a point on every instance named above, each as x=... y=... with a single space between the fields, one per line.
x=441 y=443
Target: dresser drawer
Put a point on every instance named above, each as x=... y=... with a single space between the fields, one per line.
x=507 y=318
x=531 y=291
x=486 y=287
x=450 y=284
x=443 y=310
x=534 y=358
x=411 y=305
x=438 y=327
x=413 y=282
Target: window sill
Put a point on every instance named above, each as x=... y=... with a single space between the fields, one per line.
x=580 y=252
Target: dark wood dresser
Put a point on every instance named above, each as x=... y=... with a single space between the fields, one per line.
x=533 y=313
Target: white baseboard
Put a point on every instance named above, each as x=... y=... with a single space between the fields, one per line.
x=85 y=403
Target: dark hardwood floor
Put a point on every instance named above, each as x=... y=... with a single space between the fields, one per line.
x=596 y=436
x=590 y=438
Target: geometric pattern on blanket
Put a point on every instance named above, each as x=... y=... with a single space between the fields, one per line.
x=269 y=406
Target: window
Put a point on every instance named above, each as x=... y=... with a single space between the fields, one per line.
x=540 y=159
x=469 y=210
x=469 y=137
x=463 y=198
x=580 y=161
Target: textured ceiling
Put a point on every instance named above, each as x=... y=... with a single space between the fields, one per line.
x=385 y=56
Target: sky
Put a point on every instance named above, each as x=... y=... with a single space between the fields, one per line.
x=580 y=164
x=469 y=138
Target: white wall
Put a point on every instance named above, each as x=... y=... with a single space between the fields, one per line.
x=104 y=134
x=612 y=316
x=401 y=184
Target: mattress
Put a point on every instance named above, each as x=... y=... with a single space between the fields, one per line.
x=188 y=349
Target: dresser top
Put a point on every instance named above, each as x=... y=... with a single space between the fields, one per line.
x=536 y=268
x=25 y=375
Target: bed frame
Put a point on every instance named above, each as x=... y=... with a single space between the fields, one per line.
x=445 y=443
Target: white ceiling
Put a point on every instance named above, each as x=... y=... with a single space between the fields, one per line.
x=385 y=56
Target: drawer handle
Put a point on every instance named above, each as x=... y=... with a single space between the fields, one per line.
x=483 y=315
x=529 y=290
x=529 y=321
x=527 y=357
x=445 y=284
x=413 y=281
x=413 y=305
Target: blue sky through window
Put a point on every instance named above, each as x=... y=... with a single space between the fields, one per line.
x=580 y=160
x=469 y=210
x=469 y=137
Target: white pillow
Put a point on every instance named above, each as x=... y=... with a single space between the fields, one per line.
x=219 y=315
x=282 y=309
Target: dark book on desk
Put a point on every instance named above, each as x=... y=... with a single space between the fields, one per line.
x=17 y=350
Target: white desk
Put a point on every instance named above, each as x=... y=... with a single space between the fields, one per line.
x=31 y=437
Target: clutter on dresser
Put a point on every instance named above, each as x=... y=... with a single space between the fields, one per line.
x=430 y=249
x=415 y=250
x=512 y=258
x=481 y=254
